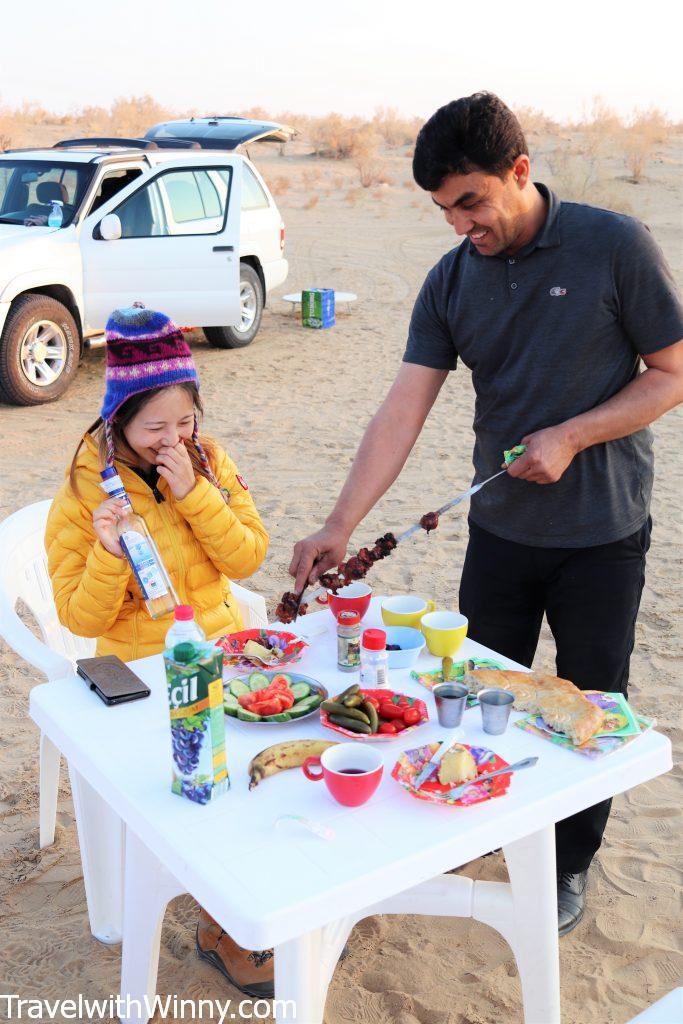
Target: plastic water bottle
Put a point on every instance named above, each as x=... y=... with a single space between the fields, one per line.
x=184 y=629
x=56 y=214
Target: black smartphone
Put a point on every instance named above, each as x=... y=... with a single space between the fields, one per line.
x=111 y=679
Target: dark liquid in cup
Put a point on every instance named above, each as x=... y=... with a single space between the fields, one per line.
x=352 y=771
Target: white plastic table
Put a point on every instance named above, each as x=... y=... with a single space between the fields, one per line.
x=389 y=856
x=348 y=297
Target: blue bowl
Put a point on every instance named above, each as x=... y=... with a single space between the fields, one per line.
x=411 y=641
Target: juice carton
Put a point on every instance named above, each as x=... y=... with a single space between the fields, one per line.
x=317 y=307
x=195 y=698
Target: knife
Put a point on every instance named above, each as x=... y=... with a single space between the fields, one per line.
x=432 y=764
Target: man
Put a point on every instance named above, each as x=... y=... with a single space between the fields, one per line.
x=552 y=305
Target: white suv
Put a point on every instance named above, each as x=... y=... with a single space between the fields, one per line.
x=178 y=221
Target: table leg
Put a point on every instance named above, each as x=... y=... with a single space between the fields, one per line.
x=304 y=969
x=101 y=837
x=48 y=790
x=148 y=889
x=534 y=940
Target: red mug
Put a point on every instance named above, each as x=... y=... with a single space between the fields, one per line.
x=351 y=773
x=353 y=598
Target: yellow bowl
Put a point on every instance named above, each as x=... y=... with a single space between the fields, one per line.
x=405 y=610
x=444 y=632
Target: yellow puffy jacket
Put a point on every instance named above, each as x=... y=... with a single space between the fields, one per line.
x=202 y=541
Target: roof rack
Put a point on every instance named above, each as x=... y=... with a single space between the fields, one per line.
x=126 y=143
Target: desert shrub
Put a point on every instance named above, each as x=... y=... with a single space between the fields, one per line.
x=395 y=130
x=534 y=121
x=311 y=201
x=279 y=184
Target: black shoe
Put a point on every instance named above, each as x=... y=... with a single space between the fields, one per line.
x=571 y=899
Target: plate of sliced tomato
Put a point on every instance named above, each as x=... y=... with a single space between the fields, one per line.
x=394 y=714
x=272 y=698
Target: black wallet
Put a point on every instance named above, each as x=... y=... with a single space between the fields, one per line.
x=111 y=679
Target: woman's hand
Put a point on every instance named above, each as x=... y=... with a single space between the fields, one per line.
x=175 y=466
x=105 y=518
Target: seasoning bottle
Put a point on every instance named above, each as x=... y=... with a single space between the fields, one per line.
x=374 y=660
x=348 y=641
x=141 y=551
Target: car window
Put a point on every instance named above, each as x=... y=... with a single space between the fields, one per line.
x=113 y=182
x=28 y=189
x=176 y=203
x=253 y=196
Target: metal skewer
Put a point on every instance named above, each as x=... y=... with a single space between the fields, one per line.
x=451 y=504
x=413 y=529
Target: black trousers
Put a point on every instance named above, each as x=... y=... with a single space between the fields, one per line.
x=590 y=597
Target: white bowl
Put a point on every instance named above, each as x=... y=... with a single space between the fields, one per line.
x=412 y=643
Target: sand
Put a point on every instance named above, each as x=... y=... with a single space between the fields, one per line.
x=291 y=409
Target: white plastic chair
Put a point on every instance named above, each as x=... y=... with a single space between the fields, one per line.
x=24 y=576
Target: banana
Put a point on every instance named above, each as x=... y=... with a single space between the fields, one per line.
x=279 y=757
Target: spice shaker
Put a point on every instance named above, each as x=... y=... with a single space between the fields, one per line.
x=348 y=641
x=374 y=660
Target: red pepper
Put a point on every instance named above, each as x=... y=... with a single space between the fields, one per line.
x=411 y=716
x=398 y=725
x=388 y=727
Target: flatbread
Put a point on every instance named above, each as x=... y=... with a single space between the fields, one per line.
x=558 y=701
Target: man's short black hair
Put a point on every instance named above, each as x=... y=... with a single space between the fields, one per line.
x=475 y=133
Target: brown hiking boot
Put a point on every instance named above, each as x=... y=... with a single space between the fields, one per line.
x=251 y=971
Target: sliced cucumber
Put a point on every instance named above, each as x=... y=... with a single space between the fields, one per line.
x=302 y=707
x=300 y=690
x=284 y=716
x=247 y=716
x=230 y=704
x=238 y=688
x=258 y=681
x=297 y=710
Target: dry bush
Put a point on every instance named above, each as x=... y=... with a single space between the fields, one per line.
x=646 y=129
x=352 y=196
x=311 y=177
x=279 y=185
x=395 y=130
x=341 y=138
x=371 y=170
x=534 y=121
x=312 y=201
x=338 y=182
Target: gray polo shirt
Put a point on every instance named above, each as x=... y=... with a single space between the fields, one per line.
x=548 y=333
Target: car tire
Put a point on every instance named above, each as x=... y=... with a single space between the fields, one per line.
x=251 y=305
x=39 y=351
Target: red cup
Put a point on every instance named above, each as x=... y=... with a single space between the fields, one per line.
x=351 y=773
x=353 y=598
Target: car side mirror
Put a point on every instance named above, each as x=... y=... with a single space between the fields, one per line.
x=110 y=227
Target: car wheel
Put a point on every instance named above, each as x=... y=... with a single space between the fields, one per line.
x=251 y=309
x=39 y=351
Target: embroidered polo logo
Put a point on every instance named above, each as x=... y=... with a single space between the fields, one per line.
x=558 y=291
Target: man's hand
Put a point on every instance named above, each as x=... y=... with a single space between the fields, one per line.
x=316 y=554
x=175 y=467
x=548 y=454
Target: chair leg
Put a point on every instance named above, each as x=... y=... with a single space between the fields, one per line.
x=534 y=941
x=101 y=838
x=148 y=888
x=47 y=790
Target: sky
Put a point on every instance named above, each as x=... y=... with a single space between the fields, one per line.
x=218 y=56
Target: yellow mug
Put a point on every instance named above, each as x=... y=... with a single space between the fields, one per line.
x=444 y=632
x=405 y=610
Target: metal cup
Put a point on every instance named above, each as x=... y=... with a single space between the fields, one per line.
x=451 y=699
x=495 y=709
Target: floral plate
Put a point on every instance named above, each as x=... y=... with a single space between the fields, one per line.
x=412 y=761
x=233 y=646
x=413 y=702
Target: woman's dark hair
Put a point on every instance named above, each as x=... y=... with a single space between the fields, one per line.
x=124 y=453
x=475 y=133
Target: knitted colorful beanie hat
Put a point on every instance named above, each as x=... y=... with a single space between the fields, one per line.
x=146 y=350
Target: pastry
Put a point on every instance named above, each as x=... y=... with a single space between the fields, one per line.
x=457 y=765
x=561 y=704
